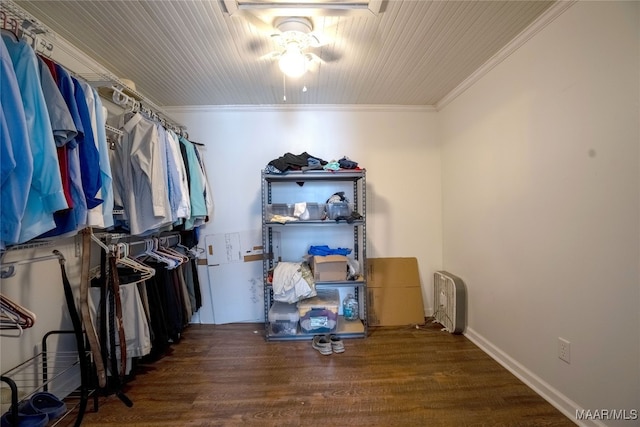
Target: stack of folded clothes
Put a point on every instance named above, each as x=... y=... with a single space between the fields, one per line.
x=320 y=313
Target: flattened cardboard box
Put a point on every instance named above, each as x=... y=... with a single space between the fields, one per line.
x=394 y=292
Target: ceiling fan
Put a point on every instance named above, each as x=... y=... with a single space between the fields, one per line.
x=295 y=40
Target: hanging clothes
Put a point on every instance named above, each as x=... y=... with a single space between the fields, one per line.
x=76 y=217
x=89 y=156
x=208 y=199
x=100 y=216
x=45 y=195
x=196 y=185
x=181 y=198
x=142 y=180
x=16 y=168
x=61 y=123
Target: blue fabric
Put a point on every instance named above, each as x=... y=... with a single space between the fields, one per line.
x=89 y=156
x=333 y=166
x=79 y=217
x=346 y=163
x=64 y=130
x=16 y=161
x=45 y=194
x=311 y=161
x=70 y=220
x=324 y=250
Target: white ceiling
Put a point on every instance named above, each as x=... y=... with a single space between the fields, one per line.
x=190 y=53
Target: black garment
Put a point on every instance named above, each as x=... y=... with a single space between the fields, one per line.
x=169 y=300
x=293 y=162
x=191 y=276
x=157 y=324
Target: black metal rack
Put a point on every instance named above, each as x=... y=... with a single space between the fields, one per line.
x=358 y=228
x=39 y=372
x=47 y=369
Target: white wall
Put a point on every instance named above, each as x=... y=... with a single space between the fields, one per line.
x=541 y=200
x=527 y=186
x=397 y=146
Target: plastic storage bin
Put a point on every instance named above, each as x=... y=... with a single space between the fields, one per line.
x=319 y=315
x=279 y=209
x=338 y=209
x=283 y=319
x=316 y=211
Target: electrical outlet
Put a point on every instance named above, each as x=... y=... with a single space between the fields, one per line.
x=564 y=350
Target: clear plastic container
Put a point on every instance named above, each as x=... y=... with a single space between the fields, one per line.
x=338 y=209
x=283 y=318
x=350 y=308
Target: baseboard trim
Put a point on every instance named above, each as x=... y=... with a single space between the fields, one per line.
x=565 y=405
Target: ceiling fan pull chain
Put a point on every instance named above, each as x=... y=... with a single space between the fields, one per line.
x=284 y=88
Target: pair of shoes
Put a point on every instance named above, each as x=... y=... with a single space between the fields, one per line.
x=43 y=403
x=37 y=411
x=25 y=420
x=321 y=344
x=336 y=344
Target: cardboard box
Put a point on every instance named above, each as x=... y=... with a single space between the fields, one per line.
x=329 y=268
x=394 y=292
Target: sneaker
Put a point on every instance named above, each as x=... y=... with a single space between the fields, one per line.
x=337 y=345
x=321 y=344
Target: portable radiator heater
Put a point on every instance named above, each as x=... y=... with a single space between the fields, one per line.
x=449 y=299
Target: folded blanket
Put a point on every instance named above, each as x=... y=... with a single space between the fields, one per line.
x=292 y=281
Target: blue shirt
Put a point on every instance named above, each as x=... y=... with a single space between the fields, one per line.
x=73 y=157
x=16 y=166
x=45 y=194
x=89 y=156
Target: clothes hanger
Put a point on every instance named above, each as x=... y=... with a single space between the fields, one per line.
x=177 y=260
x=24 y=317
x=124 y=260
x=195 y=251
x=10 y=30
x=150 y=252
x=12 y=324
x=119 y=97
x=164 y=247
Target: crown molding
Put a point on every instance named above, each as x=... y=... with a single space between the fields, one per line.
x=543 y=20
x=300 y=107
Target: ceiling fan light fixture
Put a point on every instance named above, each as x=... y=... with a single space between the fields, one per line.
x=293 y=62
x=296 y=24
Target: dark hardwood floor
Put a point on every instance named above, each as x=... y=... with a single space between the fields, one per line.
x=229 y=375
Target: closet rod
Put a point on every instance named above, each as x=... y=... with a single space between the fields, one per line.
x=113 y=130
x=113 y=239
x=31 y=245
x=100 y=73
x=27 y=21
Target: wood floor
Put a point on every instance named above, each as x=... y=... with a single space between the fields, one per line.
x=228 y=375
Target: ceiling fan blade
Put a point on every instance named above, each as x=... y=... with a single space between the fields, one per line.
x=257 y=45
x=271 y=56
x=327 y=54
x=262 y=24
